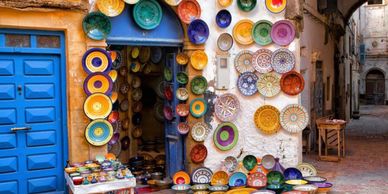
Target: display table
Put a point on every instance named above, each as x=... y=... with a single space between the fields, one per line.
x=102 y=187
x=332 y=132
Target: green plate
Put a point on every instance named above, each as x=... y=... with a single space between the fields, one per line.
x=246 y=5
x=147 y=14
x=249 y=162
x=96 y=26
x=198 y=85
x=167 y=74
x=261 y=32
x=182 y=77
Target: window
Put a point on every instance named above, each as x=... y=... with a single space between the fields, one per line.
x=375 y=2
x=48 y=41
x=17 y=40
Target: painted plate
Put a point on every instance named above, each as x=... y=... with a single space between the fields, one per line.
x=113 y=96
x=156 y=54
x=249 y=162
x=113 y=75
x=145 y=54
x=98 y=83
x=147 y=14
x=96 y=26
x=198 y=107
x=131 y=2
x=275 y=6
x=180 y=187
x=115 y=148
x=275 y=178
x=225 y=137
x=292 y=83
x=225 y=42
x=111 y=8
x=268 y=161
x=189 y=10
x=97 y=106
x=198 y=153
x=182 y=94
x=307 y=188
x=261 y=32
x=167 y=112
x=182 y=110
x=223 y=18
x=182 y=58
x=307 y=169
x=218 y=189
x=198 y=60
x=167 y=74
x=182 y=77
x=199 y=131
x=225 y=3
x=268 y=84
x=243 y=61
x=283 y=32
x=246 y=83
x=294 y=118
x=198 y=31
x=261 y=60
x=283 y=60
x=266 y=118
x=237 y=179
x=99 y=132
x=294 y=182
x=314 y=179
x=227 y=107
x=257 y=180
x=230 y=163
x=201 y=175
x=242 y=32
x=292 y=174
x=220 y=178
x=198 y=85
x=246 y=5
x=183 y=128
x=118 y=61
x=181 y=177
x=96 y=60
x=173 y=2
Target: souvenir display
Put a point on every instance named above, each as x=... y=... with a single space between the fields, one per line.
x=246 y=83
x=230 y=163
x=147 y=14
x=182 y=58
x=257 y=180
x=266 y=119
x=220 y=178
x=98 y=132
x=201 y=175
x=261 y=60
x=113 y=75
x=243 y=61
x=225 y=137
x=268 y=84
x=98 y=83
x=118 y=60
x=227 y=107
x=131 y=2
x=199 y=131
x=96 y=60
x=237 y=179
x=261 y=32
x=283 y=32
x=292 y=83
x=110 y=8
x=181 y=177
x=242 y=32
x=136 y=82
x=182 y=94
x=183 y=128
x=294 y=118
x=144 y=54
x=156 y=54
x=223 y=18
x=189 y=10
x=314 y=179
x=182 y=110
x=124 y=105
x=283 y=60
x=173 y=2
x=181 y=187
x=114 y=96
x=137 y=94
x=198 y=85
x=218 y=188
x=167 y=112
x=275 y=6
x=246 y=5
x=292 y=174
x=198 y=60
x=97 y=106
x=307 y=188
x=198 y=107
x=249 y=162
x=182 y=77
x=307 y=169
x=198 y=31
x=225 y=42
x=198 y=153
x=167 y=74
x=96 y=26
x=275 y=178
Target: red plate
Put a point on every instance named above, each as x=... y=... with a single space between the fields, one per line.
x=182 y=110
x=189 y=10
x=257 y=180
x=168 y=93
x=292 y=83
x=198 y=153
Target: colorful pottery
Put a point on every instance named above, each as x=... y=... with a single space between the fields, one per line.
x=266 y=119
x=201 y=175
x=136 y=82
x=198 y=85
x=137 y=106
x=181 y=177
x=198 y=153
x=181 y=187
x=292 y=83
x=167 y=112
x=97 y=106
x=113 y=75
x=199 y=187
x=296 y=182
x=241 y=191
x=275 y=178
x=198 y=107
x=158 y=111
x=114 y=96
x=96 y=26
x=124 y=105
x=117 y=59
x=113 y=117
x=144 y=54
x=220 y=178
x=227 y=107
x=246 y=5
x=182 y=110
x=292 y=174
x=98 y=83
x=230 y=163
x=156 y=54
x=242 y=32
x=182 y=94
x=314 y=179
x=249 y=162
x=131 y=2
x=294 y=118
x=225 y=42
x=198 y=60
x=110 y=8
x=198 y=31
x=223 y=18
x=237 y=179
x=246 y=83
x=99 y=132
x=96 y=60
x=183 y=128
x=225 y=3
x=275 y=6
x=182 y=77
x=261 y=60
x=115 y=148
x=137 y=94
x=268 y=162
x=218 y=189
x=173 y=2
x=261 y=32
x=307 y=169
x=268 y=84
x=189 y=10
x=199 y=131
x=147 y=14
x=159 y=89
x=309 y=188
x=243 y=61
x=283 y=60
x=257 y=180
x=225 y=137
x=323 y=187
x=283 y=32
x=264 y=192
x=182 y=58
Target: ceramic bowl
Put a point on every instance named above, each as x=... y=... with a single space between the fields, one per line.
x=182 y=110
x=200 y=187
x=249 y=162
x=182 y=94
x=157 y=176
x=311 y=189
x=70 y=170
x=268 y=161
x=77 y=180
x=315 y=179
x=183 y=128
x=275 y=178
x=237 y=179
x=323 y=187
x=181 y=187
x=296 y=182
x=263 y=192
x=216 y=188
x=220 y=178
x=223 y=18
x=292 y=174
x=182 y=58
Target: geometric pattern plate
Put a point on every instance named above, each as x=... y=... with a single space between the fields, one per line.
x=269 y=84
x=294 y=118
x=227 y=107
x=266 y=119
x=283 y=60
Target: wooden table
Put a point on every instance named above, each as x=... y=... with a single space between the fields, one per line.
x=332 y=132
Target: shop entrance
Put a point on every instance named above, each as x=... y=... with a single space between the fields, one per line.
x=375 y=87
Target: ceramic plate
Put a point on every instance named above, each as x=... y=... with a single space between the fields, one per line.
x=97 y=106
x=257 y=180
x=182 y=94
x=181 y=177
x=198 y=153
x=266 y=119
x=249 y=162
x=97 y=26
x=261 y=32
x=292 y=83
x=268 y=84
x=136 y=82
x=246 y=83
x=113 y=117
x=147 y=14
x=225 y=3
x=275 y=178
x=98 y=83
x=198 y=31
x=275 y=6
x=182 y=77
x=96 y=60
x=268 y=162
x=225 y=137
x=198 y=85
x=314 y=179
x=198 y=60
x=283 y=60
x=218 y=189
x=201 y=175
x=183 y=128
x=294 y=118
x=173 y=2
x=296 y=182
x=292 y=174
x=283 y=32
x=199 y=131
x=246 y=5
x=113 y=75
x=242 y=32
x=182 y=110
x=115 y=148
x=167 y=74
x=308 y=188
x=111 y=8
x=220 y=178
x=158 y=111
x=144 y=54
x=227 y=107
x=223 y=18
x=124 y=105
x=307 y=169
x=198 y=107
x=99 y=132
x=131 y=1
x=230 y=163
x=225 y=42
x=156 y=54
x=189 y=10
x=261 y=60
x=181 y=187
x=237 y=179
x=167 y=112
x=200 y=188
x=182 y=58
x=243 y=61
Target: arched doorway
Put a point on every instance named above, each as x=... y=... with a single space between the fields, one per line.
x=375 y=87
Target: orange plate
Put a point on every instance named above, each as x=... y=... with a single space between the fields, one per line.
x=189 y=10
x=181 y=177
x=97 y=106
x=267 y=119
x=220 y=178
x=242 y=32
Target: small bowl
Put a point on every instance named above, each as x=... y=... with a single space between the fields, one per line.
x=315 y=179
x=200 y=187
x=157 y=176
x=323 y=187
x=70 y=170
x=74 y=174
x=311 y=189
x=181 y=187
x=77 y=180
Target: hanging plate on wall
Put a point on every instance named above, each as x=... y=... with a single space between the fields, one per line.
x=182 y=77
x=275 y=6
x=283 y=60
x=292 y=83
x=199 y=131
x=173 y=2
x=266 y=118
x=99 y=132
x=198 y=107
x=225 y=137
x=198 y=153
x=118 y=61
x=201 y=175
x=225 y=3
x=198 y=31
x=182 y=94
x=261 y=32
x=294 y=118
x=225 y=42
x=283 y=32
x=230 y=163
x=96 y=26
x=131 y=1
x=261 y=60
x=227 y=107
x=223 y=18
x=246 y=5
x=145 y=54
x=111 y=8
x=246 y=83
x=183 y=128
x=198 y=85
x=243 y=61
x=268 y=84
x=182 y=110
x=182 y=58
x=189 y=10
x=98 y=83
x=147 y=14
x=198 y=60
x=96 y=60
x=156 y=54
x=97 y=106
x=113 y=75
x=181 y=177
x=242 y=32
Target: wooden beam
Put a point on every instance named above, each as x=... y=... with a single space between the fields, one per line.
x=46 y=4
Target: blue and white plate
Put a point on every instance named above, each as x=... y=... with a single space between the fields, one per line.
x=201 y=175
x=246 y=83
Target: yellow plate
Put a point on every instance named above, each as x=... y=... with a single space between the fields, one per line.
x=113 y=75
x=267 y=119
x=97 y=106
x=198 y=60
x=242 y=32
x=135 y=52
x=275 y=6
x=114 y=97
x=241 y=191
x=296 y=182
x=225 y=3
x=182 y=59
x=220 y=178
x=111 y=8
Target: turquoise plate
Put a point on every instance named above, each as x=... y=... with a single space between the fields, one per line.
x=96 y=25
x=147 y=14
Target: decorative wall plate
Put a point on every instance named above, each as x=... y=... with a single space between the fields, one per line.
x=110 y=8
x=189 y=10
x=182 y=110
x=137 y=106
x=220 y=178
x=182 y=58
x=283 y=32
x=135 y=67
x=137 y=94
x=225 y=42
x=225 y=3
x=261 y=60
x=198 y=31
x=167 y=74
x=168 y=114
x=292 y=174
x=198 y=153
x=243 y=61
x=307 y=169
x=181 y=187
x=201 y=175
x=97 y=106
x=115 y=138
x=294 y=118
x=242 y=32
x=218 y=189
x=96 y=26
x=124 y=105
x=198 y=85
x=182 y=77
x=96 y=60
x=173 y=2
x=249 y=162
x=266 y=118
x=113 y=117
x=198 y=60
x=227 y=107
x=257 y=180
x=145 y=54
x=237 y=179
x=156 y=54
x=275 y=178
x=275 y=6
x=181 y=177
x=268 y=84
x=158 y=111
x=292 y=83
x=246 y=83
x=230 y=163
x=268 y=161
x=225 y=137
x=131 y=2
x=98 y=83
x=198 y=107
x=199 y=131
x=183 y=128
x=113 y=75
x=99 y=132
x=147 y=14
x=136 y=82
x=246 y=5
x=182 y=94
x=223 y=18
x=283 y=60
x=261 y=32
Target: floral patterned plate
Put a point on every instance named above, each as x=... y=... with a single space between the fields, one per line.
x=283 y=60
x=261 y=61
x=246 y=83
x=182 y=110
x=294 y=118
x=243 y=61
x=307 y=169
x=220 y=178
x=227 y=107
x=266 y=118
x=268 y=84
x=257 y=180
x=200 y=131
